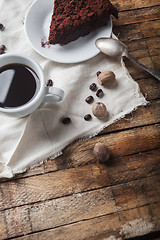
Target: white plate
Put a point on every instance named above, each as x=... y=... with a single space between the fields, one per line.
x=37 y=23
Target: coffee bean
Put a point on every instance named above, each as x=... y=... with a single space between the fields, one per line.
x=2 y=52
x=98 y=73
x=89 y=99
x=66 y=120
x=88 y=117
x=93 y=87
x=2 y=47
x=1 y=27
x=99 y=93
x=49 y=83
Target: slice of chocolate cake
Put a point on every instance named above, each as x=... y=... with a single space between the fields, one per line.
x=72 y=19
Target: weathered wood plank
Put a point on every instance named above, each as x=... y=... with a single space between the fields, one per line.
x=3 y=229
x=137 y=31
x=156 y=62
x=129 y=195
x=150 y=50
x=80 y=179
x=150 y=28
x=128 y=32
x=120 y=143
x=139 y=73
x=153 y=45
x=127 y=224
x=16 y=222
x=134 y=167
x=150 y=89
x=138 y=16
x=138 y=48
x=148 y=114
x=82 y=206
x=144 y=47
x=134 y=4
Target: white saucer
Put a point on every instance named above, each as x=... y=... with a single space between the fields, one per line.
x=37 y=23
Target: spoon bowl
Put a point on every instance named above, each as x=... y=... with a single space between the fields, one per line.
x=115 y=48
x=111 y=47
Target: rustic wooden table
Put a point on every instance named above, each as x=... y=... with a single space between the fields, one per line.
x=74 y=197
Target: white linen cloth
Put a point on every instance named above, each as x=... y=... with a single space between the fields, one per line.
x=28 y=141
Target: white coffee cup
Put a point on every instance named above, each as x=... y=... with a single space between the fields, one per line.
x=44 y=94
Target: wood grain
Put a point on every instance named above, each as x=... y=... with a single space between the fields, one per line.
x=76 y=197
x=128 y=224
x=82 y=206
x=153 y=45
x=134 y=4
x=77 y=180
x=141 y=16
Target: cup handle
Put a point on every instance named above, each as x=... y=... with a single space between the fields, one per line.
x=53 y=94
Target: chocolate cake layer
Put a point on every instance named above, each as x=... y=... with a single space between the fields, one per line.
x=72 y=19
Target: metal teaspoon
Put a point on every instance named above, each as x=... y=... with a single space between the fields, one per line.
x=115 y=48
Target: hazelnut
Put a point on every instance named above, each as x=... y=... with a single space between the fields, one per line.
x=106 y=78
x=101 y=152
x=99 y=110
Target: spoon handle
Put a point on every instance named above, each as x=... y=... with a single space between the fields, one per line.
x=150 y=70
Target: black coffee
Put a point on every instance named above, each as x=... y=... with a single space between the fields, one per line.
x=18 y=85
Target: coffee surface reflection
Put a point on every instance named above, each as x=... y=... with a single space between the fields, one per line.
x=18 y=85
